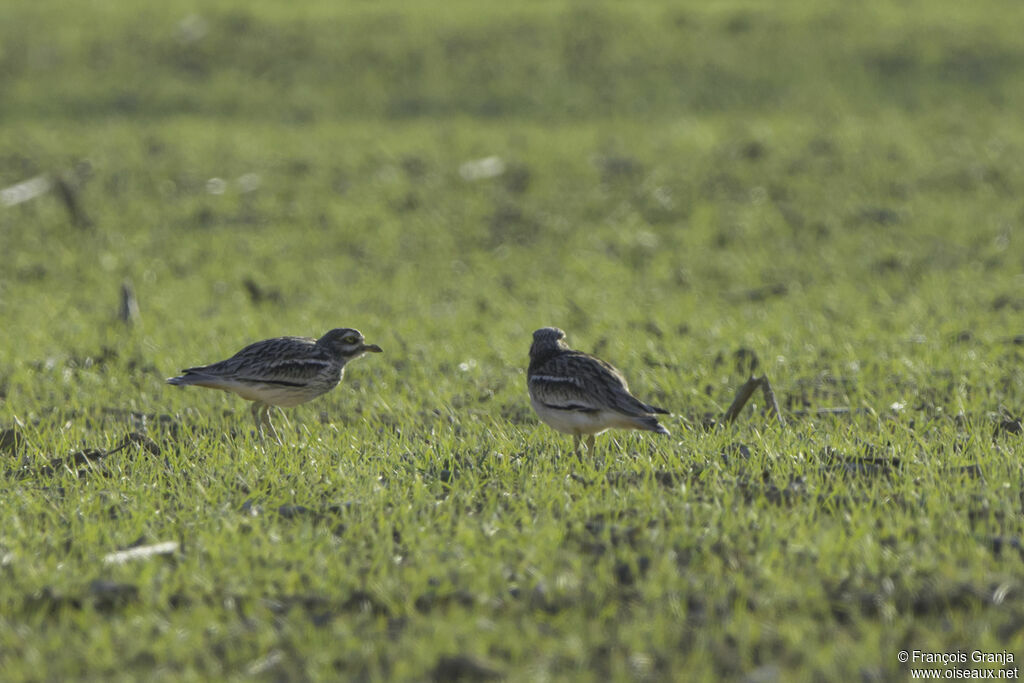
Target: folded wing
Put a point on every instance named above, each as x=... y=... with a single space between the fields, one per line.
x=577 y=381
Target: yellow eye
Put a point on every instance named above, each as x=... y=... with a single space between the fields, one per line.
x=351 y=339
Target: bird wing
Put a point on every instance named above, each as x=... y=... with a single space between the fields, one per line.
x=288 y=361
x=578 y=381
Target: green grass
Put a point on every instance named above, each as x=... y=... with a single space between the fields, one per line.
x=832 y=187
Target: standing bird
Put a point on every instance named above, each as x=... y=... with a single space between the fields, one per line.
x=578 y=394
x=284 y=371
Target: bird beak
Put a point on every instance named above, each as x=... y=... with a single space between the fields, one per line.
x=373 y=348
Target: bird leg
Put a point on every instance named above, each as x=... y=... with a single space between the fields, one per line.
x=255 y=410
x=269 y=424
x=261 y=413
x=578 y=440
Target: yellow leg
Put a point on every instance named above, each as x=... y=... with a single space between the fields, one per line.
x=261 y=413
x=269 y=424
x=590 y=445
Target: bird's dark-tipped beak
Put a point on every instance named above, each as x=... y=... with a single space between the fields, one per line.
x=372 y=348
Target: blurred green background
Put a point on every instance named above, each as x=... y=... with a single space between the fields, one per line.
x=831 y=188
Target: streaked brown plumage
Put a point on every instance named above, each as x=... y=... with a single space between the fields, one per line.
x=576 y=393
x=284 y=371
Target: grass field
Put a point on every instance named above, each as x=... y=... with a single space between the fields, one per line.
x=829 y=194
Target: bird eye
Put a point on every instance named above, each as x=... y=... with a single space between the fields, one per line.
x=351 y=339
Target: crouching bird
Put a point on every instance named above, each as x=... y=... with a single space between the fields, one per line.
x=284 y=371
x=578 y=394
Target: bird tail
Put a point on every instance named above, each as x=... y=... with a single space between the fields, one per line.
x=185 y=380
x=651 y=424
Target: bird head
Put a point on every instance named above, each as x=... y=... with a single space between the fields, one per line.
x=548 y=340
x=346 y=343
